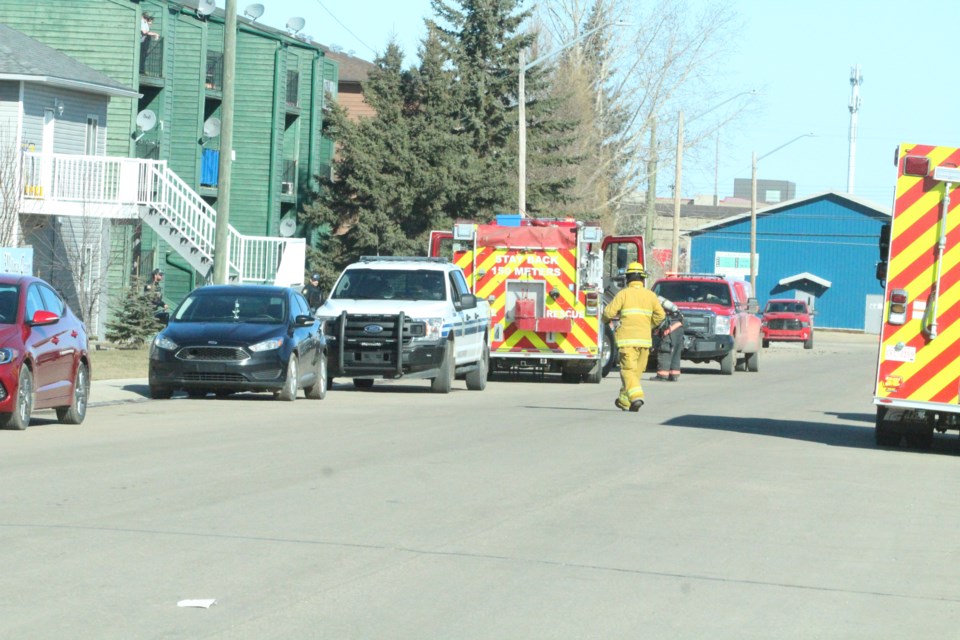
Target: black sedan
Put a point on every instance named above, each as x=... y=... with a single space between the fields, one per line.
x=227 y=338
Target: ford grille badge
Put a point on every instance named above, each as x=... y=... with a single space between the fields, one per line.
x=373 y=328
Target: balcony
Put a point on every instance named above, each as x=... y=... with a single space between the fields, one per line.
x=288 y=181
x=293 y=90
x=210 y=169
x=214 y=74
x=151 y=58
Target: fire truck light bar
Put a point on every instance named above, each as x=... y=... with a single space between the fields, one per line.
x=946 y=174
x=916 y=166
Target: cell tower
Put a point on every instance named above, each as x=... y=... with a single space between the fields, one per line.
x=856 y=79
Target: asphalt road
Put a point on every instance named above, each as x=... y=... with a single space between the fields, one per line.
x=751 y=506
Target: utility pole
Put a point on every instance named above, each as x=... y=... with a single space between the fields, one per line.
x=221 y=247
x=856 y=79
x=651 y=204
x=675 y=245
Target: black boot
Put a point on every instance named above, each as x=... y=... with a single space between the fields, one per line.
x=635 y=405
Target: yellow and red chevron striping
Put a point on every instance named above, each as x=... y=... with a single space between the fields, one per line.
x=932 y=374
x=489 y=270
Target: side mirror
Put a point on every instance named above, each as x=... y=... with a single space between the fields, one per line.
x=753 y=305
x=884 y=242
x=882 y=273
x=41 y=318
x=467 y=301
x=304 y=320
x=162 y=316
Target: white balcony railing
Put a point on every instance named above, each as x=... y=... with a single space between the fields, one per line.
x=64 y=184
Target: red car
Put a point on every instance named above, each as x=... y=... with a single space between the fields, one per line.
x=44 y=362
x=787 y=321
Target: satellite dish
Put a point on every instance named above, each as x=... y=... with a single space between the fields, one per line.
x=253 y=11
x=295 y=24
x=211 y=127
x=146 y=120
x=288 y=227
x=206 y=7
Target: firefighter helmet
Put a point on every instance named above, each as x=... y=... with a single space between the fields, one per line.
x=637 y=268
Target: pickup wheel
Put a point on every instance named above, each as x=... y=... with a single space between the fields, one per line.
x=808 y=343
x=727 y=362
x=444 y=380
x=753 y=361
x=477 y=379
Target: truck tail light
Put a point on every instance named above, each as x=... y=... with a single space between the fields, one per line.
x=898 y=306
x=593 y=301
x=916 y=166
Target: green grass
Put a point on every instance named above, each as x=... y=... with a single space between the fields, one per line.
x=112 y=363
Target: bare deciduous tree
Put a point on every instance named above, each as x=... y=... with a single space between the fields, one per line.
x=664 y=60
x=11 y=186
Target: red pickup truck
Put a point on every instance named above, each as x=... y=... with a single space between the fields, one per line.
x=719 y=319
x=787 y=321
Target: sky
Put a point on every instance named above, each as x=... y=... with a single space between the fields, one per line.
x=796 y=56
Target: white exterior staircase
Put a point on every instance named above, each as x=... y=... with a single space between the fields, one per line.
x=111 y=187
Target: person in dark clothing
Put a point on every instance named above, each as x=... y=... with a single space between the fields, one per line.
x=312 y=292
x=154 y=291
x=671 y=343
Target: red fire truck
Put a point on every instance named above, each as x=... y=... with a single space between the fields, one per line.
x=547 y=281
x=918 y=370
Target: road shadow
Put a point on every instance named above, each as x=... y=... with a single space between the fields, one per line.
x=139 y=389
x=835 y=435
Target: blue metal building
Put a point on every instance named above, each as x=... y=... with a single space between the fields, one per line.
x=821 y=248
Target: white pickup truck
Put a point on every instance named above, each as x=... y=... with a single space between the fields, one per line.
x=406 y=317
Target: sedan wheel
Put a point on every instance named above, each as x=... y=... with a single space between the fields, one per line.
x=23 y=405
x=290 y=386
x=318 y=391
x=75 y=413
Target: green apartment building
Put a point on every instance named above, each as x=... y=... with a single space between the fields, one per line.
x=281 y=84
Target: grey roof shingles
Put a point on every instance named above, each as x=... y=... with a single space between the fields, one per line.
x=23 y=57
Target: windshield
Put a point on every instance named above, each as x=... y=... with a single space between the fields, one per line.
x=390 y=284
x=9 y=303
x=785 y=307
x=683 y=291
x=233 y=307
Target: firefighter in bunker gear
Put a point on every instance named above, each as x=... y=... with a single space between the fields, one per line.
x=639 y=311
x=671 y=342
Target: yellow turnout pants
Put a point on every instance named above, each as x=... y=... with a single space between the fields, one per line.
x=633 y=362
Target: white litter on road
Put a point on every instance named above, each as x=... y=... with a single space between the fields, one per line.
x=203 y=603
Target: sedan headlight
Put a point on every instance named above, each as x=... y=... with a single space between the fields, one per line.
x=7 y=355
x=723 y=325
x=163 y=342
x=266 y=345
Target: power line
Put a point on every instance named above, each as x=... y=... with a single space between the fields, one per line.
x=346 y=28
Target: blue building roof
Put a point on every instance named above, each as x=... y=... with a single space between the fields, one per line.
x=823 y=247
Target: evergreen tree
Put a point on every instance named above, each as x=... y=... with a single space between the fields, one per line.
x=366 y=204
x=135 y=322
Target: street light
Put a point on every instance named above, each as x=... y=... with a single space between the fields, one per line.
x=522 y=102
x=675 y=246
x=753 y=209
